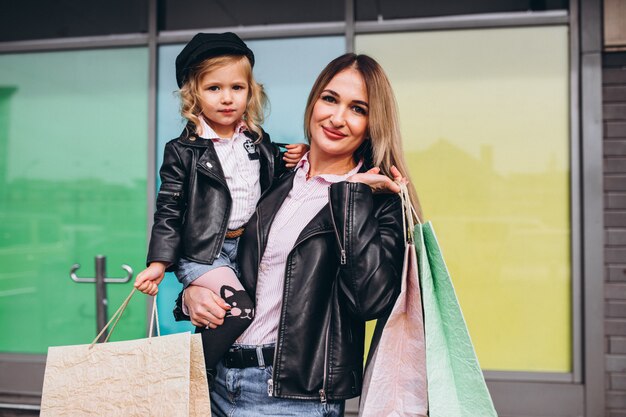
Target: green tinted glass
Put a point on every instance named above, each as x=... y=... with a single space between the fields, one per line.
x=73 y=155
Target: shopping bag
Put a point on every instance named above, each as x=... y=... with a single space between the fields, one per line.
x=456 y=386
x=162 y=376
x=394 y=383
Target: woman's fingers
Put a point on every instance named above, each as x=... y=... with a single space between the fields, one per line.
x=379 y=183
x=389 y=186
x=220 y=303
x=205 y=307
x=395 y=172
x=397 y=175
x=203 y=317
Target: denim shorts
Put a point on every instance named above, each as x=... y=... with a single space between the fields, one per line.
x=243 y=393
x=187 y=271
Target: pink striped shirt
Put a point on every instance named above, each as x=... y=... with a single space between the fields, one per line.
x=242 y=173
x=304 y=201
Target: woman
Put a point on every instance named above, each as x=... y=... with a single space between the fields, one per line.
x=323 y=254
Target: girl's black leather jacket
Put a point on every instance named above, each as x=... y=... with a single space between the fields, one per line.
x=193 y=204
x=344 y=269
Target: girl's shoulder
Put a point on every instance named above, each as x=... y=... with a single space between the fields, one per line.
x=264 y=137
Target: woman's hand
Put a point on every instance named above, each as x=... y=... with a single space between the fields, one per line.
x=378 y=182
x=205 y=308
x=294 y=153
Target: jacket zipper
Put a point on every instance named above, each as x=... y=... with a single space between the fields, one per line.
x=323 y=390
x=270 y=382
x=343 y=258
x=271 y=169
x=201 y=168
x=258 y=236
x=172 y=193
x=224 y=229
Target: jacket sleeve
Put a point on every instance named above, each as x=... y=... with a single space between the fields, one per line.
x=165 y=240
x=279 y=162
x=371 y=248
x=277 y=154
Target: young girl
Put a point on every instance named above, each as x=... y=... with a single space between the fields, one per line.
x=211 y=180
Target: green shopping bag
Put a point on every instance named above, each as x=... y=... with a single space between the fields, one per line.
x=456 y=386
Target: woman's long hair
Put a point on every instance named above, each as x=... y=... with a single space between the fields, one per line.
x=383 y=145
x=190 y=98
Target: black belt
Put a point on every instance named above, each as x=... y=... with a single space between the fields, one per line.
x=247 y=358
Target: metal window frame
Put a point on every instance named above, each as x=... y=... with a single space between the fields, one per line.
x=583 y=388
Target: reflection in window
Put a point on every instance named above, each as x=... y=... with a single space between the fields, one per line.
x=400 y=9
x=73 y=156
x=189 y=14
x=485 y=124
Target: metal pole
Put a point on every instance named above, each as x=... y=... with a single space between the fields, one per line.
x=101 y=296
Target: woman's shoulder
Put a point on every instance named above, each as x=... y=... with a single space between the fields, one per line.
x=387 y=203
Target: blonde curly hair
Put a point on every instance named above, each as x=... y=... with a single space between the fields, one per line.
x=190 y=93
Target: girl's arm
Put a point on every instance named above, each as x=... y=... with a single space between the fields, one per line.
x=170 y=208
x=295 y=152
x=287 y=159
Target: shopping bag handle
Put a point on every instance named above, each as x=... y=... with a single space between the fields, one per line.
x=154 y=318
x=409 y=214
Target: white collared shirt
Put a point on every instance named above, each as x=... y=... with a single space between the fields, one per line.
x=241 y=172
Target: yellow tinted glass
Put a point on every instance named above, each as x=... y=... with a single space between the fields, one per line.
x=485 y=124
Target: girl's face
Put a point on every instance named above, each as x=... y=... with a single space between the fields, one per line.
x=340 y=115
x=224 y=97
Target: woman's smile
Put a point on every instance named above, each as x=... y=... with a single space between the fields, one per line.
x=333 y=133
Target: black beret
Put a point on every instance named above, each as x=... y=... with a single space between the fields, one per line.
x=207 y=45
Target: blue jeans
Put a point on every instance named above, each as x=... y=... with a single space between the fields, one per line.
x=243 y=393
x=187 y=271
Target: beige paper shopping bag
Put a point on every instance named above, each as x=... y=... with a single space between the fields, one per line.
x=160 y=376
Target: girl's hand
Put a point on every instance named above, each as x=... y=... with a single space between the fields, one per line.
x=294 y=153
x=147 y=281
x=205 y=308
x=380 y=183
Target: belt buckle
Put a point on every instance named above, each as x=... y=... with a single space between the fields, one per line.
x=234 y=359
x=260 y=358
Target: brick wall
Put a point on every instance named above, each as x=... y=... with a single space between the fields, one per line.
x=614 y=115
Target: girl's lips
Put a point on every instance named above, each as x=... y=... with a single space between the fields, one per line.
x=227 y=111
x=333 y=133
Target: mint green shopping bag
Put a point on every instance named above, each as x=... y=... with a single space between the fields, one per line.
x=456 y=386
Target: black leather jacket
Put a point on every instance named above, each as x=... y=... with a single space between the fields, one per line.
x=344 y=269
x=194 y=202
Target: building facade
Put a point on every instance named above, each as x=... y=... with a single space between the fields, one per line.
x=514 y=127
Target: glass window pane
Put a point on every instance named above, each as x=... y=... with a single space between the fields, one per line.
x=485 y=122
x=400 y=9
x=287 y=84
x=201 y=14
x=42 y=19
x=73 y=162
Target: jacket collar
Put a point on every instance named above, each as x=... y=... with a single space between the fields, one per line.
x=269 y=206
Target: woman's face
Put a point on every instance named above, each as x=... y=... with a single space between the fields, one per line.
x=340 y=115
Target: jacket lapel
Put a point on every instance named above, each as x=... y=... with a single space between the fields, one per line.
x=321 y=223
x=209 y=164
x=268 y=207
